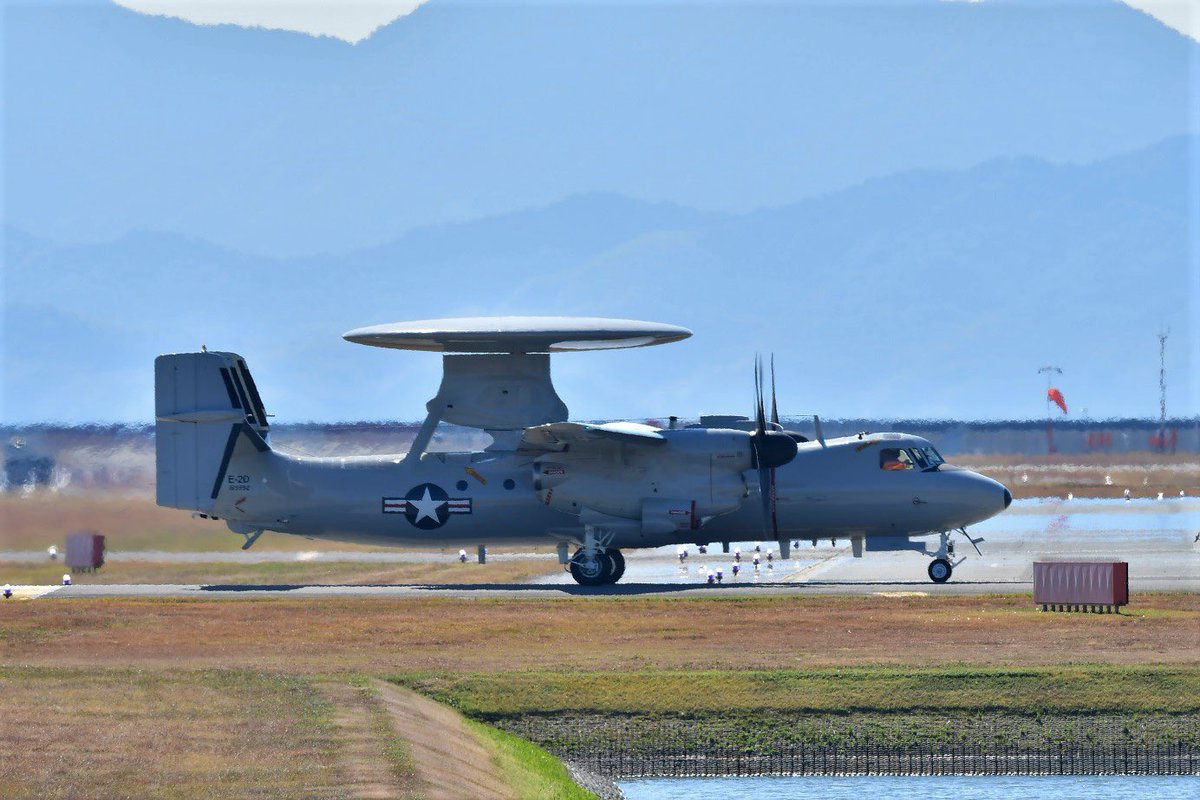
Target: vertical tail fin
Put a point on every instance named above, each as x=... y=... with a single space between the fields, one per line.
x=202 y=403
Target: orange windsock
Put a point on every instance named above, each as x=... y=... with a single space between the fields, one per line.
x=1057 y=397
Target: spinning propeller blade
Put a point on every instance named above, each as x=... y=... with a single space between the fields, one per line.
x=774 y=408
x=770 y=448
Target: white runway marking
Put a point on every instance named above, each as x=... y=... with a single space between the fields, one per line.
x=32 y=592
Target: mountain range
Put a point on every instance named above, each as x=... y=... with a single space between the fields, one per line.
x=926 y=293
x=282 y=145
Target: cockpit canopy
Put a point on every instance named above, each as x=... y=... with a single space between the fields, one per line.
x=924 y=458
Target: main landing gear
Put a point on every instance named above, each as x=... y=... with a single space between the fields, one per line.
x=940 y=570
x=602 y=567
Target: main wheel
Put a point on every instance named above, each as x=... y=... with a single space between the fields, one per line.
x=618 y=563
x=940 y=570
x=591 y=571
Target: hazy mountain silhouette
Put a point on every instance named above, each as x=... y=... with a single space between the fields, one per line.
x=284 y=144
x=926 y=293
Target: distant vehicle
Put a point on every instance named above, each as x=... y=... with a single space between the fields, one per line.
x=24 y=466
x=599 y=488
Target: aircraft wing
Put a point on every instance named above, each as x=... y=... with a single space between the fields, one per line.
x=558 y=436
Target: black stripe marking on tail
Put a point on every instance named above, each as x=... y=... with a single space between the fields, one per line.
x=230 y=443
x=233 y=398
x=245 y=404
x=255 y=398
x=256 y=439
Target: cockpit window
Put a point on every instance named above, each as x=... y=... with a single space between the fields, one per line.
x=891 y=459
x=933 y=457
x=922 y=458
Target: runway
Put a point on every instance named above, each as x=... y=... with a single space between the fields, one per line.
x=1157 y=538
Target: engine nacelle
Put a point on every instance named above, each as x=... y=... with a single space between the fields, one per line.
x=667 y=488
x=548 y=474
x=669 y=516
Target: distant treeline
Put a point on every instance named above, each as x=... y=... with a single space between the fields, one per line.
x=952 y=437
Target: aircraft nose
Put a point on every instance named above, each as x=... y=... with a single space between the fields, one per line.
x=979 y=496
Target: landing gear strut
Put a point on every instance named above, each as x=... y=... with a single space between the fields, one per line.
x=596 y=564
x=943 y=558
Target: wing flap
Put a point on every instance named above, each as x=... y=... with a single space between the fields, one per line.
x=558 y=436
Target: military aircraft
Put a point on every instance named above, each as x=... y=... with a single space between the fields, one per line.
x=597 y=488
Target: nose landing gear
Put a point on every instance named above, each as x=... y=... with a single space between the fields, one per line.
x=941 y=568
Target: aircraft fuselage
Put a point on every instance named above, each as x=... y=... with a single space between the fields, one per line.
x=836 y=490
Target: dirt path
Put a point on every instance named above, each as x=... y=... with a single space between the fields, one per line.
x=450 y=762
x=367 y=772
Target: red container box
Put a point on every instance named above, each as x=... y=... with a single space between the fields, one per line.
x=85 y=550
x=1081 y=583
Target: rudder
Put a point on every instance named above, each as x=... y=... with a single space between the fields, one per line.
x=202 y=403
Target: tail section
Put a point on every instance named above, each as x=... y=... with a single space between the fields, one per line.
x=203 y=404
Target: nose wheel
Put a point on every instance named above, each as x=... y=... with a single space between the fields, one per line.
x=940 y=570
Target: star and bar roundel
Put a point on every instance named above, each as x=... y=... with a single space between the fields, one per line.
x=427 y=506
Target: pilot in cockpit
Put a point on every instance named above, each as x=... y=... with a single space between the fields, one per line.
x=925 y=459
x=891 y=459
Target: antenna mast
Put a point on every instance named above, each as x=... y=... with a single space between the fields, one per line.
x=1162 y=388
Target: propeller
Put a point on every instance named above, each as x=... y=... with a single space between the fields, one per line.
x=774 y=408
x=769 y=448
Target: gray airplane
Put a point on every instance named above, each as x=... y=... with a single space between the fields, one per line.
x=597 y=488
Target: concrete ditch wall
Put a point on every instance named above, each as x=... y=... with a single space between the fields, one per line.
x=633 y=747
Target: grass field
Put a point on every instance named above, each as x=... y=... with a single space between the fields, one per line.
x=384 y=636
x=533 y=772
x=253 y=697
x=1092 y=474
x=129 y=523
x=1084 y=688
x=199 y=733
x=71 y=733
x=133 y=524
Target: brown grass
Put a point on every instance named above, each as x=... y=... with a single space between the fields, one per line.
x=167 y=734
x=382 y=636
x=1084 y=475
x=129 y=523
x=241 y=697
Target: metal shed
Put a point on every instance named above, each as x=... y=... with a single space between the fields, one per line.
x=85 y=551
x=1081 y=585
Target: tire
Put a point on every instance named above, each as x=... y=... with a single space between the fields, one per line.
x=587 y=577
x=940 y=570
x=618 y=563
